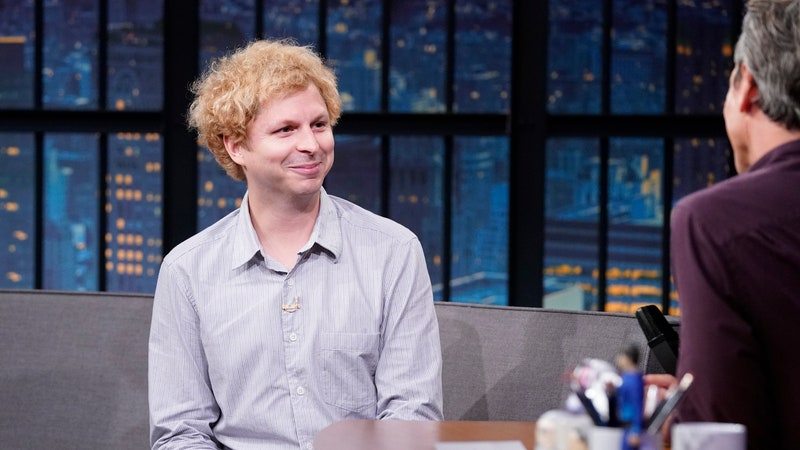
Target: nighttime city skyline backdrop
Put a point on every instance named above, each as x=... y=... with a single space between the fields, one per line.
x=130 y=251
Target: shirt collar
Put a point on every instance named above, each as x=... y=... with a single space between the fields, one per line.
x=326 y=232
x=778 y=153
x=245 y=239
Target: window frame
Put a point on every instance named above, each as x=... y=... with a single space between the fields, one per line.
x=528 y=125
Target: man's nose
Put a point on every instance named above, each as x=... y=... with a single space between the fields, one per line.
x=307 y=140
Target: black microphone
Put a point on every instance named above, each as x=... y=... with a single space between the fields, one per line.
x=661 y=338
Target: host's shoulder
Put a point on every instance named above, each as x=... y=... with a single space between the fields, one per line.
x=724 y=210
x=706 y=205
x=357 y=219
x=207 y=240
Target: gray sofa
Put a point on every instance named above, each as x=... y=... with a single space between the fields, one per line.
x=74 y=365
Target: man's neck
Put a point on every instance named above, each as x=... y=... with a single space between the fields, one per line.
x=282 y=225
x=765 y=136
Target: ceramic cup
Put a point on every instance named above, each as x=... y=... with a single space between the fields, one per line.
x=709 y=436
x=607 y=438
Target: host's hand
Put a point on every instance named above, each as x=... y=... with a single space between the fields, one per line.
x=663 y=382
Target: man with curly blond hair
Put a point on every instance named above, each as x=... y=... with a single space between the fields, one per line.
x=298 y=309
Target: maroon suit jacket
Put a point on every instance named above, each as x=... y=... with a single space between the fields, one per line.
x=736 y=261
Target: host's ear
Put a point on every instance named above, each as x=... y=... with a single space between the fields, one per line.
x=747 y=90
x=235 y=149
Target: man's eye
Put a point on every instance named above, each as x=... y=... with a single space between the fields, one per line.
x=285 y=129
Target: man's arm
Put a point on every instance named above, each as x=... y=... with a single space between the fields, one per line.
x=408 y=377
x=182 y=405
x=717 y=343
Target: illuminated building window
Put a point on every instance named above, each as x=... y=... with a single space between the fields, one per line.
x=426 y=137
x=17 y=211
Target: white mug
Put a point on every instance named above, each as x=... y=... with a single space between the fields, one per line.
x=601 y=438
x=560 y=430
x=607 y=438
x=709 y=436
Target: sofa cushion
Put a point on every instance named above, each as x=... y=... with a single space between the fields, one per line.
x=74 y=370
x=505 y=363
x=74 y=365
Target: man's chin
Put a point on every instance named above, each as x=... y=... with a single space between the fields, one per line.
x=308 y=187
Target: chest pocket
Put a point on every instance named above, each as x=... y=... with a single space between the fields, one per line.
x=348 y=369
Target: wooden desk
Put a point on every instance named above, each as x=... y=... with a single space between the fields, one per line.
x=402 y=435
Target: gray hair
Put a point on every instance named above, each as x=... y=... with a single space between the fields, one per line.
x=770 y=47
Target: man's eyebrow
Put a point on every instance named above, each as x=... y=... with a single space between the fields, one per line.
x=281 y=123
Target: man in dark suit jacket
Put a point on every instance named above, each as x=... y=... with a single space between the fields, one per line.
x=736 y=246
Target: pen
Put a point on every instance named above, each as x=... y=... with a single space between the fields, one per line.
x=665 y=408
x=650 y=400
x=613 y=420
x=588 y=406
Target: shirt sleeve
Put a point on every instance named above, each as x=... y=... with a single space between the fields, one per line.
x=182 y=405
x=408 y=377
x=717 y=342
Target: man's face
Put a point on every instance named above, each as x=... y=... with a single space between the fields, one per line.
x=734 y=120
x=289 y=146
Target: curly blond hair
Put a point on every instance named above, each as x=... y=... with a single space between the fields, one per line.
x=229 y=94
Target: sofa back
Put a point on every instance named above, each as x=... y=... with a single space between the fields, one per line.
x=505 y=363
x=74 y=365
x=74 y=370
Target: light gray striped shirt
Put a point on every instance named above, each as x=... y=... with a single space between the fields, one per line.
x=244 y=355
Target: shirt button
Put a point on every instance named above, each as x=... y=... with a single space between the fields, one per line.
x=301 y=391
x=309 y=446
x=292 y=337
x=290 y=282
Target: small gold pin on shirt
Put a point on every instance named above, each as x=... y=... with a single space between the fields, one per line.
x=292 y=307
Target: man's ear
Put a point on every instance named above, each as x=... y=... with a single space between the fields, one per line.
x=747 y=91
x=234 y=149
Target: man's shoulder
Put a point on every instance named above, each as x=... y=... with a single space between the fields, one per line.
x=731 y=207
x=207 y=240
x=355 y=219
x=711 y=198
